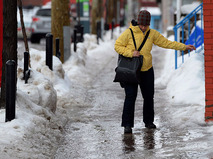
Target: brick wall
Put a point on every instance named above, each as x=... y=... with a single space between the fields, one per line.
x=208 y=42
x=1 y=37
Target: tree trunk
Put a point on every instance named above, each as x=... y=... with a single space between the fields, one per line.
x=111 y=11
x=60 y=17
x=97 y=14
x=9 y=51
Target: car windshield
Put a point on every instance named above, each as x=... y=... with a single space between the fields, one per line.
x=44 y=12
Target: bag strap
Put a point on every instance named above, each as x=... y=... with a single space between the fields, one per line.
x=133 y=38
x=144 y=40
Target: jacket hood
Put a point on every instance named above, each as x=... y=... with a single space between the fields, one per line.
x=134 y=22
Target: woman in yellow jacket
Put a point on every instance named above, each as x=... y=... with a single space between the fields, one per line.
x=124 y=45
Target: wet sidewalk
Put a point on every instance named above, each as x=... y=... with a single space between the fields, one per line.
x=94 y=130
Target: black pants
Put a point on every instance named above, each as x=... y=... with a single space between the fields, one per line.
x=147 y=90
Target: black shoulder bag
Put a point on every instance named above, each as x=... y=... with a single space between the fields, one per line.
x=128 y=69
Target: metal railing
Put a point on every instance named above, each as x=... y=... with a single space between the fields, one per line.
x=183 y=26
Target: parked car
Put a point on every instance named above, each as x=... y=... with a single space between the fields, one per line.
x=41 y=24
x=28 y=30
x=27 y=18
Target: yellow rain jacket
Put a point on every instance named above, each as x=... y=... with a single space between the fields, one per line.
x=124 y=45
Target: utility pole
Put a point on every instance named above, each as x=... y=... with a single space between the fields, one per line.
x=60 y=18
x=130 y=11
x=9 y=51
x=178 y=15
x=179 y=3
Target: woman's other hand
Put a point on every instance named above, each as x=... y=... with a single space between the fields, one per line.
x=190 y=47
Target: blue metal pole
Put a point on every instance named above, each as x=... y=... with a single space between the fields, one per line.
x=182 y=42
x=195 y=31
x=202 y=36
x=189 y=28
x=175 y=50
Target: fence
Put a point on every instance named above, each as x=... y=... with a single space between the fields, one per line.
x=194 y=37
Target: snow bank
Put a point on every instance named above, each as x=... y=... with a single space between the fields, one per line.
x=36 y=130
x=185 y=87
x=187 y=82
x=94 y=54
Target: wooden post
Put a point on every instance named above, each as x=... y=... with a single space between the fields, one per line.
x=110 y=11
x=60 y=17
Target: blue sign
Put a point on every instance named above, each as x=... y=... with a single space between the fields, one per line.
x=198 y=35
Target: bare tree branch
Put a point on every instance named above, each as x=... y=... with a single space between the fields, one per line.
x=23 y=28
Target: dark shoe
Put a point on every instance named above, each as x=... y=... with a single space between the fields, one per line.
x=127 y=130
x=150 y=126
